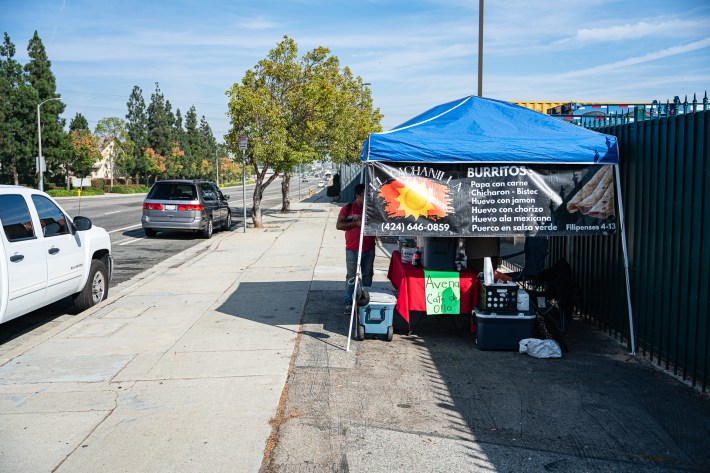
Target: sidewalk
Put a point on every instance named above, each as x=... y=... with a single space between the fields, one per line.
x=188 y=367
x=179 y=371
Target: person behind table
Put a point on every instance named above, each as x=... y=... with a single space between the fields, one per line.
x=350 y=220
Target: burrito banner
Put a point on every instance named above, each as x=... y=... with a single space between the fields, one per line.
x=492 y=200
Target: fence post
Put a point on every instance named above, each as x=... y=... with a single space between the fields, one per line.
x=640 y=112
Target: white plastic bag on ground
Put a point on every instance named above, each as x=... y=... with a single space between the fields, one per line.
x=540 y=348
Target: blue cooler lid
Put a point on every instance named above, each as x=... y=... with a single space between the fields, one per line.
x=379 y=297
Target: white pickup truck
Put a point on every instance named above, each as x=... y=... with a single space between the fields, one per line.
x=46 y=256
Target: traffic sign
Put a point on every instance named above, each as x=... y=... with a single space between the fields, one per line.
x=242 y=142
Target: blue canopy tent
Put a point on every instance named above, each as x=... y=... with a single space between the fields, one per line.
x=477 y=130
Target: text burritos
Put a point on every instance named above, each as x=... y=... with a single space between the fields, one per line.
x=596 y=197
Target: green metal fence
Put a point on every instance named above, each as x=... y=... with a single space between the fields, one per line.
x=665 y=174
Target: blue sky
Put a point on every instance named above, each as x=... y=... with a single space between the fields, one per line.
x=415 y=53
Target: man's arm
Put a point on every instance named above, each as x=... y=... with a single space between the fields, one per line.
x=344 y=224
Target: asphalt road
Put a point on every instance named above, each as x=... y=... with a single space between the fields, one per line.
x=133 y=252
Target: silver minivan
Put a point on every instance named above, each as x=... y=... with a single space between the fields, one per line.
x=185 y=205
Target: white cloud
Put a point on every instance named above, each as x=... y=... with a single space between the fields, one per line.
x=652 y=56
x=258 y=23
x=640 y=30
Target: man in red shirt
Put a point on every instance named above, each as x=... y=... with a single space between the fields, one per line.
x=350 y=221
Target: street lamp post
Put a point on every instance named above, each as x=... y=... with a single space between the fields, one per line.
x=39 y=141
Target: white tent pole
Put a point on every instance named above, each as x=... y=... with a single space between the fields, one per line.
x=632 y=336
x=358 y=273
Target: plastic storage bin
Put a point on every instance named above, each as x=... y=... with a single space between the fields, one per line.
x=376 y=317
x=503 y=332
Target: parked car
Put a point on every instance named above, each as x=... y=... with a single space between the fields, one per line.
x=46 y=256
x=185 y=205
x=321 y=183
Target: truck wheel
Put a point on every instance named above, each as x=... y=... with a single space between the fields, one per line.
x=227 y=222
x=207 y=232
x=149 y=232
x=96 y=287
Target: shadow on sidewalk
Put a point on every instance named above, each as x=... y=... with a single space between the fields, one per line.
x=270 y=303
x=433 y=401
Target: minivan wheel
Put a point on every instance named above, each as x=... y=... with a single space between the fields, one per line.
x=207 y=232
x=227 y=222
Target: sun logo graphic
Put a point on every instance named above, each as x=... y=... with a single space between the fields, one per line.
x=415 y=197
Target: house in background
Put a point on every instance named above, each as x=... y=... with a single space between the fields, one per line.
x=102 y=169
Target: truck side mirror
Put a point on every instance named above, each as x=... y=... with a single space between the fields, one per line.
x=82 y=223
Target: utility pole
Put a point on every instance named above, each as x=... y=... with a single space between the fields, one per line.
x=216 y=161
x=480 y=48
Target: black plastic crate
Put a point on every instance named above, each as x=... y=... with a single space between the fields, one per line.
x=498 y=298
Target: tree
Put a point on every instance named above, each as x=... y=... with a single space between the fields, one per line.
x=307 y=105
x=352 y=120
x=84 y=154
x=256 y=106
x=159 y=123
x=137 y=128
x=114 y=133
x=179 y=132
x=193 y=146
x=208 y=142
x=41 y=78
x=297 y=111
x=18 y=132
x=229 y=171
x=79 y=122
x=156 y=164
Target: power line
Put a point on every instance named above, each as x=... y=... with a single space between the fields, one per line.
x=125 y=97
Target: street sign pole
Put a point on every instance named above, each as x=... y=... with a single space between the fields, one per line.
x=243 y=149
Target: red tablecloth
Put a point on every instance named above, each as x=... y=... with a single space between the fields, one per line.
x=409 y=281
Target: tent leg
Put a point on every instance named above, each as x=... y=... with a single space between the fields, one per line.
x=632 y=335
x=354 y=303
x=358 y=273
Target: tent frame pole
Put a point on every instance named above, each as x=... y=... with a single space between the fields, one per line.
x=358 y=271
x=632 y=335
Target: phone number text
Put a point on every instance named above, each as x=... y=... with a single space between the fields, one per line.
x=420 y=227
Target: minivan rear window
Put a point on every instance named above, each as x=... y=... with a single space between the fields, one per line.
x=172 y=191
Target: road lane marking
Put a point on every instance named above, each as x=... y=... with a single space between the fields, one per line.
x=132 y=241
x=124 y=228
x=114 y=212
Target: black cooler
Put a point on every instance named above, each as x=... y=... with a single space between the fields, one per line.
x=439 y=253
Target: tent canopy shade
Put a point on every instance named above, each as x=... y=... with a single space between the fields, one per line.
x=475 y=129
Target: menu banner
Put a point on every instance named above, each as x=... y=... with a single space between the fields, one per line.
x=469 y=200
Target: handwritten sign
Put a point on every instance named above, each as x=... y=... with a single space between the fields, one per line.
x=443 y=292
